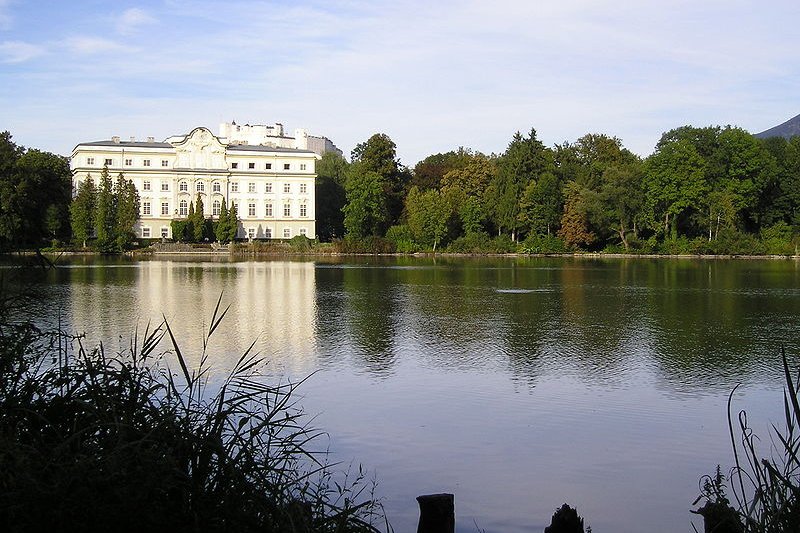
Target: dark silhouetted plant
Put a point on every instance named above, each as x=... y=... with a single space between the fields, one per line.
x=141 y=441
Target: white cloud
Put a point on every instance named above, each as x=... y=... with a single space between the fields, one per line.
x=133 y=19
x=92 y=45
x=5 y=17
x=19 y=52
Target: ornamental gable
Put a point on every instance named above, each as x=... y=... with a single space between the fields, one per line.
x=200 y=149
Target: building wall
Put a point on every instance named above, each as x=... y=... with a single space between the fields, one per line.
x=170 y=175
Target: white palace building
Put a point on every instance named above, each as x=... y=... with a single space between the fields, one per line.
x=269 y=176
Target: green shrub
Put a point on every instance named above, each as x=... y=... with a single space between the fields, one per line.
x=300 y=243
x=778 y=239
x=402 y=239
x=543 y=244
x=471 y=243
x=367 y=245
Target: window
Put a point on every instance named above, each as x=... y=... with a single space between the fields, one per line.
x=251 y=209
x=215 y=187
x=251 y=233
x=145 y=233
x=183 y=208
x=303 y=188
x=234 y=186
x=268 y=210
x=216 y=208
x=146 y=163
x=199 y=186
x=251 y=166
x=286 y=166
x=287 y=233
x=183 y=186
x=145 y=208
x=128 y=162
x=268 y=233
x=146 y=185
x=268 y=187
x=303 y=210
x=165 y=208
x=287 y=187
x=164 y=232
x=165 y=186
x=268 y=166
x=164 y=163
x=302 y=166
x=251 y=187
x=303 y=232
x=107 y=162
x=234 y=165
x=90 y=160
x=287 y=210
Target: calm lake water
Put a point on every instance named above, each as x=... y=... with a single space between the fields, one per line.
x=517 y=383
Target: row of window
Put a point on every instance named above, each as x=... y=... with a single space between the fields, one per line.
x=200 y=186
x=128 y=162
x=268 y=166
x=251 y=232
x=216 y=207
x=165 y=163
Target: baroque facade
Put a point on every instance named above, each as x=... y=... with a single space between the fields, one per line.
x=271 y=184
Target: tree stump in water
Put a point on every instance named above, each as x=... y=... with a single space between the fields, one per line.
x=436 y=513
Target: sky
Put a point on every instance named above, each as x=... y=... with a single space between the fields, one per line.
x=433 y=75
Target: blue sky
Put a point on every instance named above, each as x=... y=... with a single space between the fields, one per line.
x=433 y=75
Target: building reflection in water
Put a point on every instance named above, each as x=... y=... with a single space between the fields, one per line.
x=271 y=304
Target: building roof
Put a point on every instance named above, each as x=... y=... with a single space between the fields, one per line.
x=136 y=144
x=260 y=148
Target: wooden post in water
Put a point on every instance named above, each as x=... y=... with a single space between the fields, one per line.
x=436 y=513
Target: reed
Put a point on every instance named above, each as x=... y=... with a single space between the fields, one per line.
x=139 y=440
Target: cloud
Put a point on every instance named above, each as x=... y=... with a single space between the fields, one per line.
x=132 y=19
x=92 y=45
x=19 y=52
x=5 y=18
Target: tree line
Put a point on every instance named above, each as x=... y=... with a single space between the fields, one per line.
x=703 y=190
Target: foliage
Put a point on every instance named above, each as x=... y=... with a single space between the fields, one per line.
x=140 y=441
x=330 y=195
x=126 y=211
x=428 y=215
x=543 y=244
x=378 y=155
x=401 y=237
x=365 y=212
x=81 y=211
x=366 y=245
x=104 y=213
x=779 y=239
x=471 y=243
x=35 y=191
x=300 y=243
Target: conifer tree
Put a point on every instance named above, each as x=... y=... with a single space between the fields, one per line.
x=221 y=228
x=127 y=211
x=81 y=211
x=198 y=220
x=104 y=213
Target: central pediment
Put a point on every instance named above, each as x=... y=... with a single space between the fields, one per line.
x=200 y=149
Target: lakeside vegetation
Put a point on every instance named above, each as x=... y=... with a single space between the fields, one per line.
x=712 y=190
x=139 y=440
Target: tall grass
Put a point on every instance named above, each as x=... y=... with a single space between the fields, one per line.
x=765 y=486
x=139 y=440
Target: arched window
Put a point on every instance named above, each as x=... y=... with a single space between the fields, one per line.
x=183 y=186
x=183 y=208
x=200 y=186
x=216 y=207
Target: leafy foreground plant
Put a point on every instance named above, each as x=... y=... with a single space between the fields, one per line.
x=90 y=441
x=766 y=489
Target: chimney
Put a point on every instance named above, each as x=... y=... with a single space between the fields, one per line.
x=151 y=139
x=115 y=139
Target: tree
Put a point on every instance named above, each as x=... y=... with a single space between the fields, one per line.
x=221 y=227
x=330 y=195
x=82 y=211
x=378 y=154
x=542 y=204
x=127 y=211
x=466 y=189
x=105 y=212
x=675 y=185
x=198 y=220
x=574 y=222
x=524 y=160
x=428 y=213
x=622 y=199
x=429 y=172
x=365 y=212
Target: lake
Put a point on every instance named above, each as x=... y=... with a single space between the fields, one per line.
x=518 y=384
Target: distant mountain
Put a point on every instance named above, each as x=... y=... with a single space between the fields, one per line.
x=790 y=128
